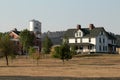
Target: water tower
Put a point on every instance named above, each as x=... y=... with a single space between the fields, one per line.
x=35 y=26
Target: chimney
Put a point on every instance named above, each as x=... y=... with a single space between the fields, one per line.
x=78 y=26
x=91 y=26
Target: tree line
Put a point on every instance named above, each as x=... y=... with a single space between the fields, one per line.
x=8 y=47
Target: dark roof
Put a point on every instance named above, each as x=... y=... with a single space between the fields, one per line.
x=111 y=35
x=88 y=33
x=94 y=32
x=17 y=32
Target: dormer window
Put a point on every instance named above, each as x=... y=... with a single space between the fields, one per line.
x=79 y=34
x=76 y=34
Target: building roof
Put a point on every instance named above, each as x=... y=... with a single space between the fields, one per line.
x=17 y=32
x=14 y=34
x=89 y=33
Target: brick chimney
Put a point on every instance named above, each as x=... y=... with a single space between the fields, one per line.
x=91 y=26
x=78 y=26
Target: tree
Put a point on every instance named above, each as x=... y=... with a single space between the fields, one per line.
x=47 y=44
x=7 y=47
x=1 y=34
x=33 y=54
x=56 y=52
x=31 y=51
x=65 y=52
x=27 y=39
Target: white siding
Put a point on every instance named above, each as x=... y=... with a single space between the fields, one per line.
x=85 y=40
x=78 y=40
x=93 y=41
x=71 y=40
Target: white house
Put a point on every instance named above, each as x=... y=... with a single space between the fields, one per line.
x=91 y=40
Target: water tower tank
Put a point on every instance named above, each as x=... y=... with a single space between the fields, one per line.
x=35 y=26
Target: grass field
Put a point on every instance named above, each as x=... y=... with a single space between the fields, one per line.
x=82 y=67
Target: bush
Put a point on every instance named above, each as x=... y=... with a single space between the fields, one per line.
x=55 y=55
x=55 y=52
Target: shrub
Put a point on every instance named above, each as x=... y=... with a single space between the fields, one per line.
x=55 y=52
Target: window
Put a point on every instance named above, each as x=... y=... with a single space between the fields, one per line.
x=89 y=39
x=102 y=33
x=81 y=47
x=76 y=34
x=103 y=48
x=37 y=24
x=79 y=34
x=100 y=48
x=106 y=48
x=36 y=28
x=76 y=47
x=99 y=40
x=90 y=47
x=103 y=40
x=75 y=40
x=112 y=41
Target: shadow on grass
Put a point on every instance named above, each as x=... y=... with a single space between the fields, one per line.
x=88 y=55
x=95 y=64
x=54 y=78
x=99 y=64
x=16 y=66
x=31 y=66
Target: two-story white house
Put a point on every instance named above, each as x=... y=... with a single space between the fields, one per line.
x=91 y=40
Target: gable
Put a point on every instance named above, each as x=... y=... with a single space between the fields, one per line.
x=14 y=35
x=79 y=33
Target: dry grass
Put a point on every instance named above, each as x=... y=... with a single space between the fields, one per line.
x=79 y=67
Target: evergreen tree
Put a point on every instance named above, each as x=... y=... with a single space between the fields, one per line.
x=47 y=44
x=65 y=52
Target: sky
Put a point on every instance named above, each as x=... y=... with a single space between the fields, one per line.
x=60 y=15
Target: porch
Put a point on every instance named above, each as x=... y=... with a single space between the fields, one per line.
x=82 y=48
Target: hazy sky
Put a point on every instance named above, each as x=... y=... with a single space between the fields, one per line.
x=57 y=15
